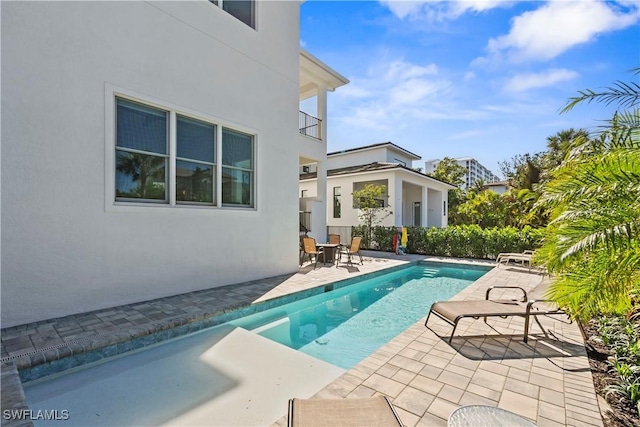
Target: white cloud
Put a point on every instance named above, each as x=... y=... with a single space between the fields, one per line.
x=403 y=9
x=463 y=6
x=556 y=27
x=392 y=92
x=413 y=91
x=434 y=10
x=522 y=82
x=400 y=70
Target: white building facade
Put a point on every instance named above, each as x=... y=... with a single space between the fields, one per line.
x=316 y=80
x=141 y=143
x=413 y=198
x=475 y=171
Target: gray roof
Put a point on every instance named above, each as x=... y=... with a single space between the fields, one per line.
x=370 y=167
x=380 y=144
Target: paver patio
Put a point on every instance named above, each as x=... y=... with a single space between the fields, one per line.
x=547 y=380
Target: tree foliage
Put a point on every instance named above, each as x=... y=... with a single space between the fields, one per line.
x=448 y=170
x=371 y=206
x=592 y=243
x=523 y=170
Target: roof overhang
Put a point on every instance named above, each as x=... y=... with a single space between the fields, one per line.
x=315 y=73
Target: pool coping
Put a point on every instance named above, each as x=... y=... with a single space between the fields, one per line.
x=38 y=363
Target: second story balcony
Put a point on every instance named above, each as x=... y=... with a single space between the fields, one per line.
x=310 y=125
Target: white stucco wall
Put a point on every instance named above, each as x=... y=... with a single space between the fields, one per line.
x=355 y=158
x=395 y=156
x=436 y=217
x=411 y=194
x=63 y=250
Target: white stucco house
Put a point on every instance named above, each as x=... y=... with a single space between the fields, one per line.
x=499 y=187
x=150 y=149
x=414 y=198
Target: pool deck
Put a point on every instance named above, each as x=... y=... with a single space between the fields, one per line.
x=547 y=380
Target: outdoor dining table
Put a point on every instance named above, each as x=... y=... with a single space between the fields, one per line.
x=330 y=249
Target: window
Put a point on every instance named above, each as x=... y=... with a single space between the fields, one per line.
x=237 y=168
x=444 y=208
x=336 y=202
x=417 y=214
x=304 y=193
x=244 y=10
x=142 y=153
x=149 y=170
x=195 y=161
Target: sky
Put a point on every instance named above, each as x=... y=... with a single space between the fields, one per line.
x=483 y=79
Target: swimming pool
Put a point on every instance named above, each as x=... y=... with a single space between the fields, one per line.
x=237 y=370
x=344 y=326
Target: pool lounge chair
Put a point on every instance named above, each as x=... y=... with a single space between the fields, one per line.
x=374 y=411
x=453 y=311
x=523 y=258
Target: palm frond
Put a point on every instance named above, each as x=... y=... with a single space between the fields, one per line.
x=624 y=94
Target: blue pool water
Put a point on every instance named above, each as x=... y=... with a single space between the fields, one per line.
x=230 y=374
x=346 y=325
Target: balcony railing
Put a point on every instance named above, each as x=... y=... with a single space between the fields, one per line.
x=309 y=125
x=305 y=222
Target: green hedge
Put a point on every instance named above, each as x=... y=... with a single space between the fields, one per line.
x=461 y=241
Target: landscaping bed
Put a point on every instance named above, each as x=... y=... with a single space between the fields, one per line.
x=600 y=339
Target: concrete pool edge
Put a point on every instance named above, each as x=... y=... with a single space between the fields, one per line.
x=52 y=360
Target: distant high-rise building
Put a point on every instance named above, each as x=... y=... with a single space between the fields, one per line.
x=475 y=171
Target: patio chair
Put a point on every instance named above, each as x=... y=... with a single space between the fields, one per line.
x=310 y=249
x=334 y=239
x=453 y=311
x=374 y=411
x=301 y=255
x=354 y=249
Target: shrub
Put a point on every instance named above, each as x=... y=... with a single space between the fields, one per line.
x=469 y=241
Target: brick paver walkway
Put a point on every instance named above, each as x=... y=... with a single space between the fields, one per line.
x=547 y=380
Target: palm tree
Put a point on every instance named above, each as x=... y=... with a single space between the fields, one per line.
x=478 y=186
x=560 y=144
x=592 y=242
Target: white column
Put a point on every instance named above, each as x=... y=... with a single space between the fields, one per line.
x=395 y=197
x=424 y=206
x=322 y=111
x=321 y=182
x=320 y=206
